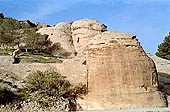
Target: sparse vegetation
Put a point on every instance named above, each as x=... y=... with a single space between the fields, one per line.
x=4 y=52
x=46 y=88
x=39 y=58
x=23 y=35
x=12 y=32
x=50 y=86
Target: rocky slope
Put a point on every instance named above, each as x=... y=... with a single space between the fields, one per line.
x=113 y=65
x=163 y=68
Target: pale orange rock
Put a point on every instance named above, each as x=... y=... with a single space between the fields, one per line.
x=83 y=31
x=120 y=74
x=74 y=70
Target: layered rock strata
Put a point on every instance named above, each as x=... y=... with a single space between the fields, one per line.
x=120 y=74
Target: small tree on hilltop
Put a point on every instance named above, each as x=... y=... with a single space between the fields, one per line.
x=164 y=48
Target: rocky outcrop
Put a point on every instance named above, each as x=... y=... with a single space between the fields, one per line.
x=61 y=36
x=28 y=22
x=163 y=67
x=83 y=31
x=113 y=65
x=41 y=25
x=120 y=74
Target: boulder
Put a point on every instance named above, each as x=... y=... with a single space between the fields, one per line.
x=83 y=31
x=120 y=74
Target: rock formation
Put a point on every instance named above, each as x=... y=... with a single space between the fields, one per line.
x=83 y=31
x=41 y=25
x=61 y=36
x=28 y=22
x=120 y=74
x=163 y=67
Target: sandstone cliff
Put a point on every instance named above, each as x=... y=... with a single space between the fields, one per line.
x=120 y=74
x=117 y=71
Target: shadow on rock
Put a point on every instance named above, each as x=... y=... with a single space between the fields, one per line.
x=164 y=82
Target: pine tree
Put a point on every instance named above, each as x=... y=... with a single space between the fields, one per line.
x=164 y=48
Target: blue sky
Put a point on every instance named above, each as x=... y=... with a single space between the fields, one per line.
x=148 y=19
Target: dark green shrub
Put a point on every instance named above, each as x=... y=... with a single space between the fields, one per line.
x=50 y=85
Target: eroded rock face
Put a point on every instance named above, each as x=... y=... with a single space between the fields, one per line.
x=83 y=31
x=61 y=36
x=120 y=74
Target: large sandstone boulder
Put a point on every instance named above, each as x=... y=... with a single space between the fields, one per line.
x=61 y=36
x=83 y=31
x=120 y=74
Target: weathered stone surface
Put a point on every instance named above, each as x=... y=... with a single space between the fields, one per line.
x=120 y=74
x=60 y=34
x=163 y=67
x=83 y=31
x=74 y=70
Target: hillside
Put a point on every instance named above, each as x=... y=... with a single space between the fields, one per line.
x=113 y=67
